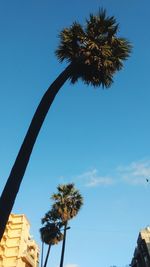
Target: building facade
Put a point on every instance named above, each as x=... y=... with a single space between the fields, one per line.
x=141 y=256
x=17 y=248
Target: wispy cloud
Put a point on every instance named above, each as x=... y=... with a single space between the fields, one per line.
x=92 y=178
x=96 y=181
x=135 y=173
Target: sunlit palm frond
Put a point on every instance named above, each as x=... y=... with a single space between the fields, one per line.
x=67 y=202
x=95 y=51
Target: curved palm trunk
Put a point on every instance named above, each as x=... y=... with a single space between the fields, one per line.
x=63 y=246
x=13 y=183
x=47 y=256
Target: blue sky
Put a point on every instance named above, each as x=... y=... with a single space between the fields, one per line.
x=98 y=139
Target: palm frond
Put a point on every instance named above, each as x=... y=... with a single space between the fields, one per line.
x=95 y=51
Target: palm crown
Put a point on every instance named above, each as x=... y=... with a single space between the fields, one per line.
x=68 y=201
x=95 y=50
x=51 y=231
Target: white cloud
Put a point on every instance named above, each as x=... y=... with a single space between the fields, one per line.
x=88 y=174
x=71 y=265
x=96 y=181
x=93 y=179
x=135 y=173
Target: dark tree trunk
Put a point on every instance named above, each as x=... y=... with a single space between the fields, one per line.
x=63 y=246
x=47 y=256
x=16 y=175
x=42 y=253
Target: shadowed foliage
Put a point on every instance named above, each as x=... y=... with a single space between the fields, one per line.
x=50 y=232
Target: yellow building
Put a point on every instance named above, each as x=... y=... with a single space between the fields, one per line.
x=17 y=249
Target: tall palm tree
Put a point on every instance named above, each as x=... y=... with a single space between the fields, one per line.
x=50 y=233
x=67 y=202
x=94 y=54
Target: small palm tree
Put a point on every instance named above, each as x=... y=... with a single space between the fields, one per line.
x=94 y=53
x=67 y=203
x=50 y=233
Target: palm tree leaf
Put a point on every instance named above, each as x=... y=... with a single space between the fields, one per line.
x=94 y=50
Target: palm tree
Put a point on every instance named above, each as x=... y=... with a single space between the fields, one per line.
x=50 y=233
x=67 y=202
x=94 y=54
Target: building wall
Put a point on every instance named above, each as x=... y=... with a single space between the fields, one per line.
x=141 y=256
x=17 y=249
